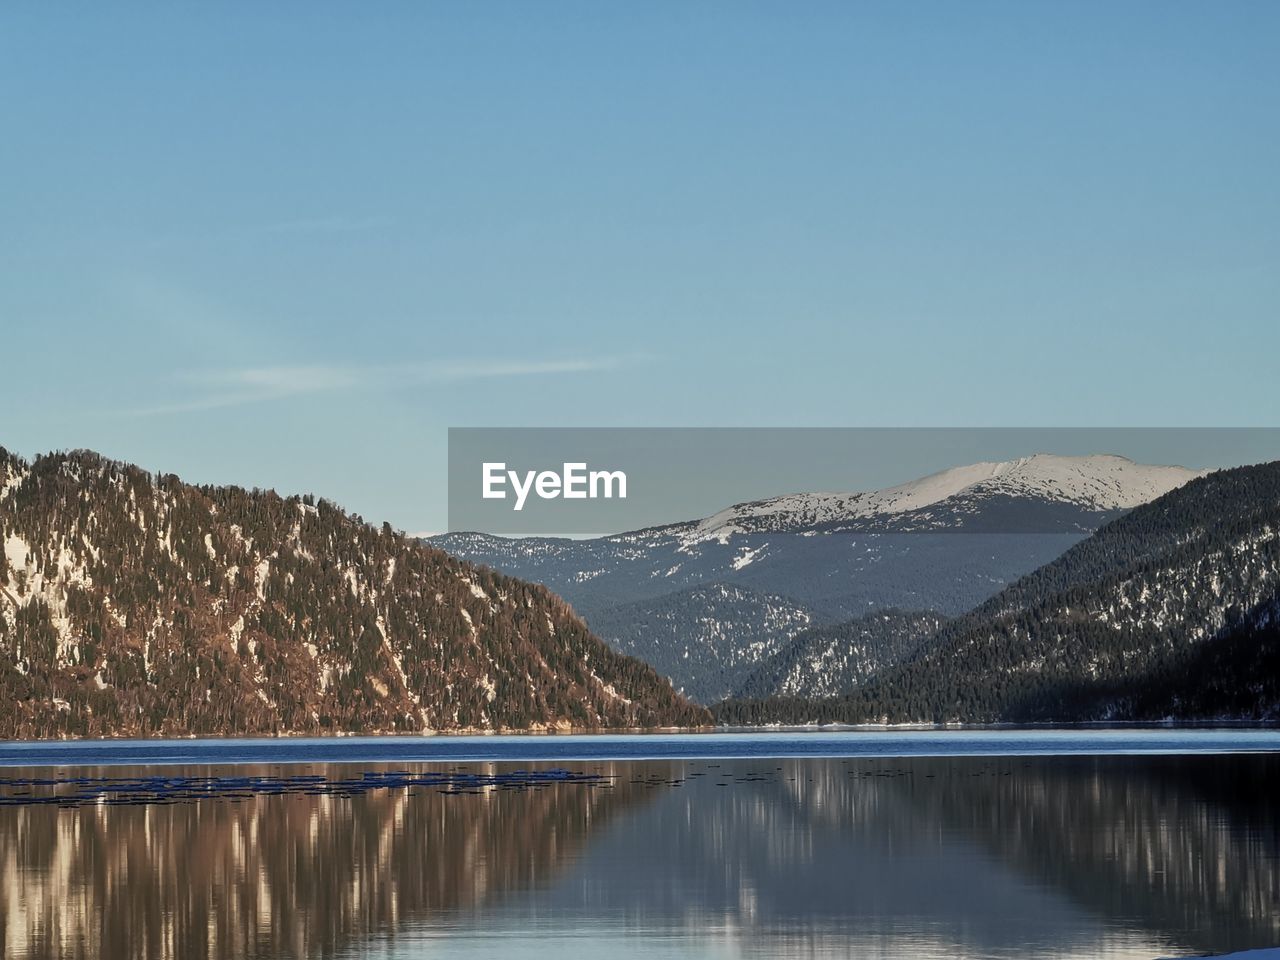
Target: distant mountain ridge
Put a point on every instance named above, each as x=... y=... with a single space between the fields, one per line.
x=938 y=545
x=1098 y=484
x=134 y=604
x=1171 y=611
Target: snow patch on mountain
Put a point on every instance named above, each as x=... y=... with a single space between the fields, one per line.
x=1099 y=482
x=12 y=481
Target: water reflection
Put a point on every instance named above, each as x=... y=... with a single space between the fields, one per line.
x=275 y=875
x=922 y=857
x=1186 y=847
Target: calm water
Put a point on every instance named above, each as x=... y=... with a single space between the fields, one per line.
x=1046 y=843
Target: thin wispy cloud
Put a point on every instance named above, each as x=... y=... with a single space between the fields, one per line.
x=464 y=370
x=215 y=389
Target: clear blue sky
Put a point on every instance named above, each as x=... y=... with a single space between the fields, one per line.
x=290 y=244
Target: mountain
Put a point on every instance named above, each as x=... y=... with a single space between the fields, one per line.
x=709 y=636
x=1068 y=492
x=826 y=558
x=834 y=660
x=1172 y=611
x=135 y=604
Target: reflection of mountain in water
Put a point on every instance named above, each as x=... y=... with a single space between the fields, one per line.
x=1003 y=857
x=994 y=855
x=814 y=857
x=1186 y=846
x=275 y=876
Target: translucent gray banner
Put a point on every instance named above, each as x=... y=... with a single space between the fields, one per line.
x=591 y=481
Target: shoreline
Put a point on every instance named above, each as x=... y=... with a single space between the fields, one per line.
x=618 y=747
x=760 y=729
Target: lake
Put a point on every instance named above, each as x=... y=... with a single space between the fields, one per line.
x=889 y=843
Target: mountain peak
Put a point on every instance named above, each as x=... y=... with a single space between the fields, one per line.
x=1095 y=483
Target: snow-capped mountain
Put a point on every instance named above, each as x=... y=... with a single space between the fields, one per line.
x=1095 y=484
x=830 y=557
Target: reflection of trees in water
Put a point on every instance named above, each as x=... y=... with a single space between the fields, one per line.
x=997 y=851
x=781 y=848
x=1187 y=846
x=276 y=875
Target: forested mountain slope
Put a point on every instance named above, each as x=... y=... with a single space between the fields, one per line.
x=833 y=660
x=133 y=604
x=708 y=639
x=1169 y=611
